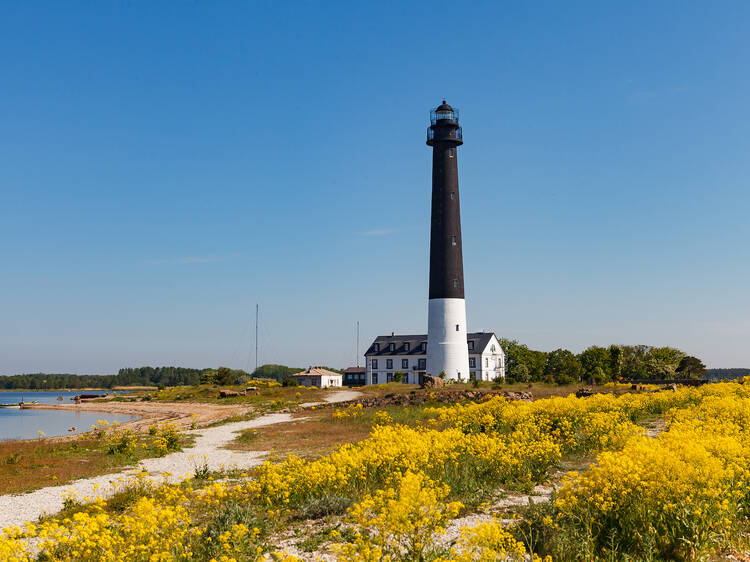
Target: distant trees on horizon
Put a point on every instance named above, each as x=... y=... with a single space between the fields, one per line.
x=145 y=376
x=595 y=364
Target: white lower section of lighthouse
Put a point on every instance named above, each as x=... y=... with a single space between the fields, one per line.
x=447 y=349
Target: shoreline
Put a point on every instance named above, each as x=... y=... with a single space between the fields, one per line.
x=182 y=414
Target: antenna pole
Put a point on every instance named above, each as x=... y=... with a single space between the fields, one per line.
x=256 y=337
x=357 y=343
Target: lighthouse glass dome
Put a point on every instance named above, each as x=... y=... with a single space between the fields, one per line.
x=443 y=113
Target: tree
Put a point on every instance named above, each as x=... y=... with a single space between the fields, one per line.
x=595 y=361
x=225 y=376
x=615 y=362
x=518 y=354
x=663 y=362
x=563 y=366
x=691 y=368
x=273 y=371
x=398 y=376
x=521 y=373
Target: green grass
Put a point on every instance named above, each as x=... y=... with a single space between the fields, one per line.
x=29 y=465
x=273 y=397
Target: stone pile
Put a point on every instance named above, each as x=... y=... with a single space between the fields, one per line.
x=424 y=397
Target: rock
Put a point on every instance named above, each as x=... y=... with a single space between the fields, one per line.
x=584 y=392
x=225 y=393
x=429 y=381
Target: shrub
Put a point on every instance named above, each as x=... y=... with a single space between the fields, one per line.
x=400 y=522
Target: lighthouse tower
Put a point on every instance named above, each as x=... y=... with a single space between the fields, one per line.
x=447 y=349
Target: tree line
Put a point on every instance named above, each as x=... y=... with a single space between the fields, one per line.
x=138 y=376
x=721 y=374
x=598 y=364
x=147 y=376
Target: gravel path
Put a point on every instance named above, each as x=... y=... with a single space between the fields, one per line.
x=208 y=448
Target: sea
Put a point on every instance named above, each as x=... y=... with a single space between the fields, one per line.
x=26 y=424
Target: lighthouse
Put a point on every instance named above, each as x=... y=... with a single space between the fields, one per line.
x=447 y=350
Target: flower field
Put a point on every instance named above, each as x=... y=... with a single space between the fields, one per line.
x=683 y=494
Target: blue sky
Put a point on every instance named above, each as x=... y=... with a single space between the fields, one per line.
x=166 y=166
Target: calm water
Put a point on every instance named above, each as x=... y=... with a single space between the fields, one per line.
x=25 y=424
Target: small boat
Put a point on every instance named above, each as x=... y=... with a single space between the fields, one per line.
x=9 y=406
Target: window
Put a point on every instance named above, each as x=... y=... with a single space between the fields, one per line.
x=451 y=151
x=391 y=347
x=374 y=363
x=422 y=364
x=472 y=362
x=486 y=361
x=492 y=349
x=374 y=378
x=404 y=363
x=376 y=347
x=453 y=195
x=389 y=377
x=453 y=240
x=406 y=346
x=405 y=378
x=471 y=345
x=389 y=363
x=458 y=327
x=455 y=283
x=424 y=347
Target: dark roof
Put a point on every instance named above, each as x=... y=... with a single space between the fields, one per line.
x=480 y=339
x=443 y=107
x=355 y=370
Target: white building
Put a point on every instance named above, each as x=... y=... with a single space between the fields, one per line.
x=408 y=354
x=317 y=376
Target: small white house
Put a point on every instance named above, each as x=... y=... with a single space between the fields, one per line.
x=317 y=376
x=408 y=354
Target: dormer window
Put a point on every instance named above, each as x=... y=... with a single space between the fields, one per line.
x=406 y=346
x=391 y=347
x=376 y=347
x=471 y=345
x=424 y=347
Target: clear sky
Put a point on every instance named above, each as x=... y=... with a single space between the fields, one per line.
x=166 y=166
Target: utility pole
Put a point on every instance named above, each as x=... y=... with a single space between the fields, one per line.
x=357 y=351
x=256 y=338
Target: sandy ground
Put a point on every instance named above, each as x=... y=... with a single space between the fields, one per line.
x=182 y=414
x=208 y=449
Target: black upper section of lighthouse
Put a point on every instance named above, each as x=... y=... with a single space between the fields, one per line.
x=446 y=258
